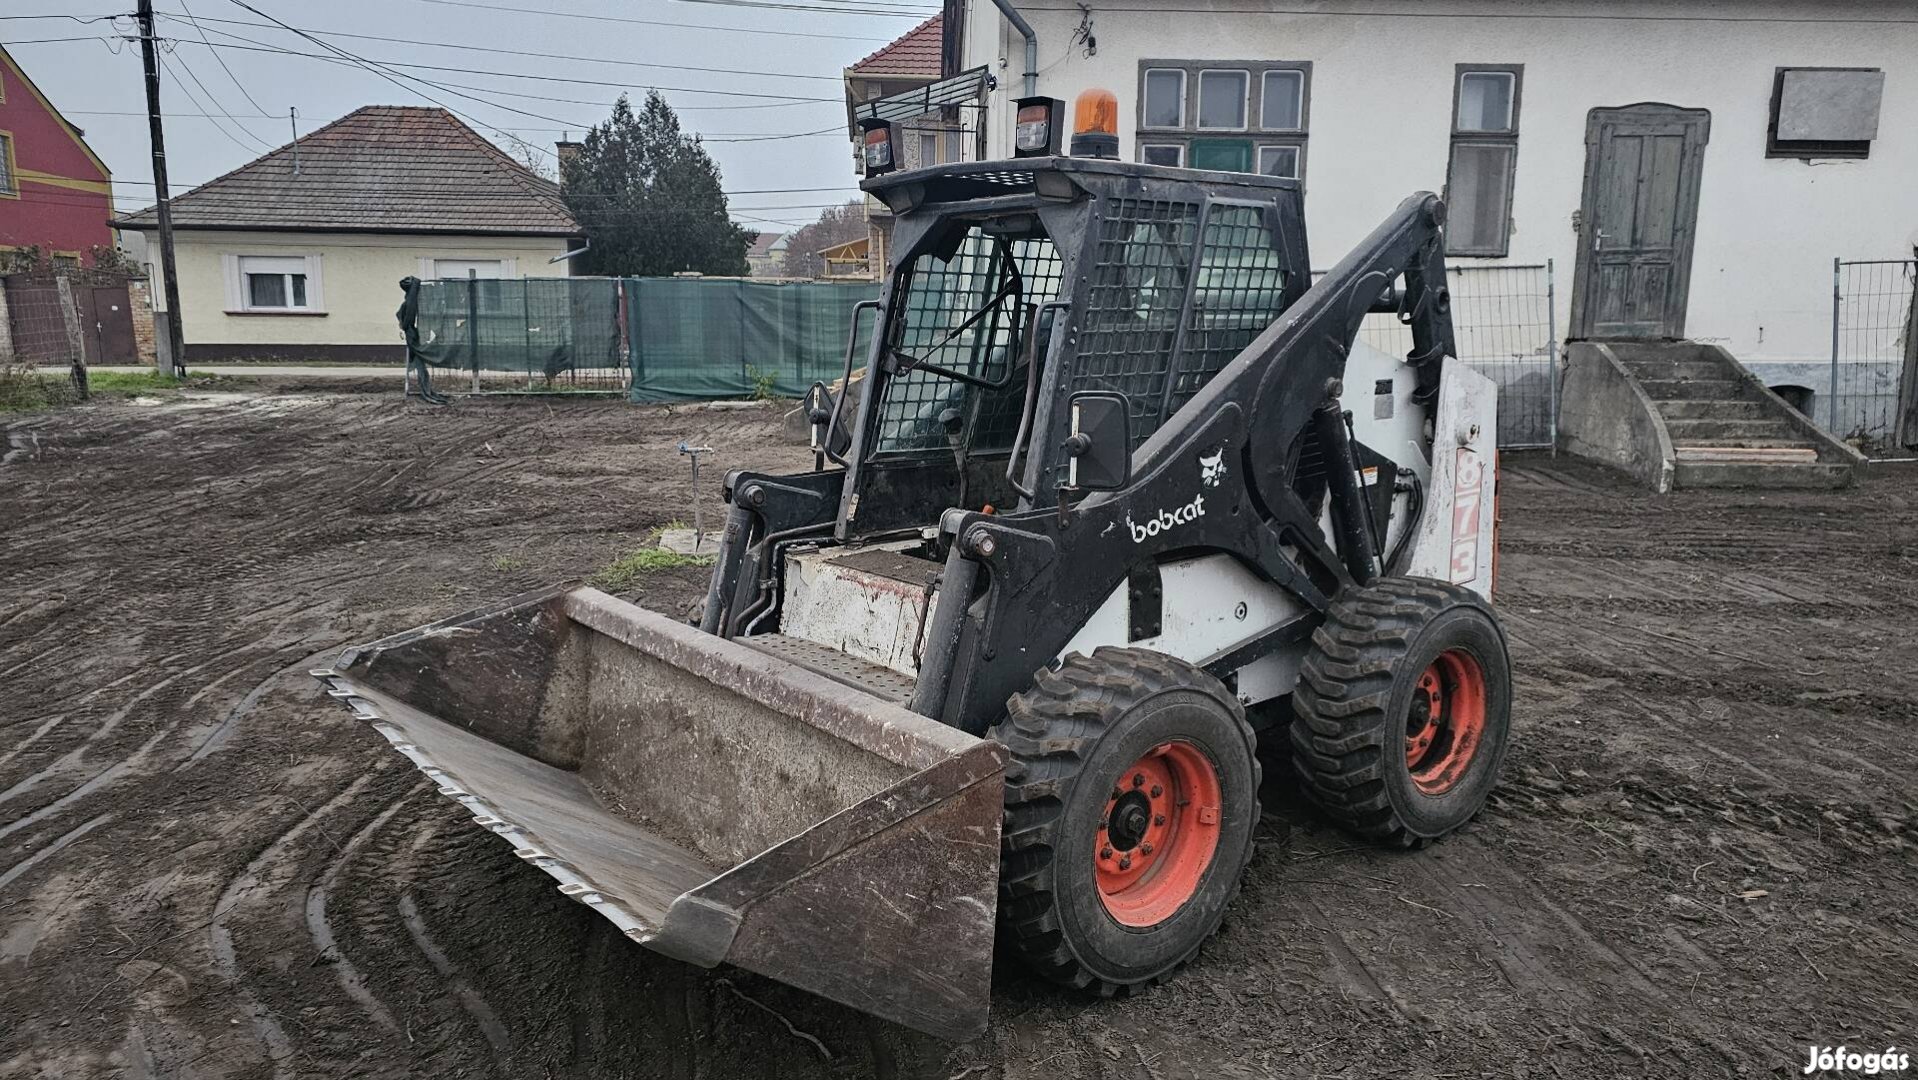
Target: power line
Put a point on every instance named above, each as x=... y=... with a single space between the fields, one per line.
x=780 y=101
x=513 y=52
x=704 y=136
x=650 y=22
x=209 y=102
x=400 y=65
x=238 y=85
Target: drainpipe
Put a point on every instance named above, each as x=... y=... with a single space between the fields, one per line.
x=1019 y=23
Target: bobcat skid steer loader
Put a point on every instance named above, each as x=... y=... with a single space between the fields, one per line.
x=1121 y=491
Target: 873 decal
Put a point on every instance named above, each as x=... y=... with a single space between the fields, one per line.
x=1468 y=494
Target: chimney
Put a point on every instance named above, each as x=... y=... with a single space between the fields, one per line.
x=567 y=151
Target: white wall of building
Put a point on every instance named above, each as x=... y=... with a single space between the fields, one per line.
x=357 y=276
x=1380 y=110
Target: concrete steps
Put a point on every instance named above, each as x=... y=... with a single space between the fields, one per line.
x=1730 y=474
x=1725 y=429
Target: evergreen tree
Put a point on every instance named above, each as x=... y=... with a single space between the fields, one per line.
x=649 y=198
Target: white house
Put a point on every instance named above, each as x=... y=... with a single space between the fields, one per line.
x=1689 y=168
x=298 y=255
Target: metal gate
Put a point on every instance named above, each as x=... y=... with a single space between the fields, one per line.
x=1874 y=358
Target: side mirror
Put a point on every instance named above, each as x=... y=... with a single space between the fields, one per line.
x=1100 y=447
x=819 y=406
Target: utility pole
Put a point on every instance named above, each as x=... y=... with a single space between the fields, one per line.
x=293 y=120
x=175 y=362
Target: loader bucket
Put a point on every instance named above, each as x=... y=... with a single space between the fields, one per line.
x=717 y=804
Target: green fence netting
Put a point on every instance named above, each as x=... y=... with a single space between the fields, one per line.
x=722 y=338
x=520 y=335
x=658 y=339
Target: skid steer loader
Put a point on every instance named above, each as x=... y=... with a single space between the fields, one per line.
x=1121 y=492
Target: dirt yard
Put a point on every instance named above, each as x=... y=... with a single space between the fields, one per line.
x=1700 y=863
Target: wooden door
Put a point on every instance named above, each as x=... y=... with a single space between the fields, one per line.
x=1638 y=220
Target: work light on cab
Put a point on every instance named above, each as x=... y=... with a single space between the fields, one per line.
x=1036 y=133
x=1095 y=124
x=876 y=147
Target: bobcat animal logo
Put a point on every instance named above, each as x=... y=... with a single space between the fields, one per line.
x=1212 y=469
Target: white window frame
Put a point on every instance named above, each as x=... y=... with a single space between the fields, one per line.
x=1511 y=102
x=1304 y=83
x=1298 y=157
x=1185 y=88
x=238 y=297
x=429 y=264
x=1245 y=99
x=1177 y=147
x=1506 y=138
x=9 y=167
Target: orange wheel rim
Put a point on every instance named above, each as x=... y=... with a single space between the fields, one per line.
x=1446 y=722
x=1158 y=834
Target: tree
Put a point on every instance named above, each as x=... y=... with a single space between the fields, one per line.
x=836 y=225
x=649 y=198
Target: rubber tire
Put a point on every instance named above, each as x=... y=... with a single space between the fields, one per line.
x=1071 y=736
x=1354 y=697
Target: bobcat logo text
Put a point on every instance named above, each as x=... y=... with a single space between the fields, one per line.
x=1166 y=519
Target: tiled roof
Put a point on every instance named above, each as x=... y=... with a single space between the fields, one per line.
x=917 y=53
x=764 y=245
x=382 y=168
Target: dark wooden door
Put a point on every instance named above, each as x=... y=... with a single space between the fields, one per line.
x=1640 y=214
x=107 y=323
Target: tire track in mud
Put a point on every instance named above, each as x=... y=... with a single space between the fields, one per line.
x=345 y=973
x=53 y=848
x=469 y=998
x=223 y=730
x=266 y=1027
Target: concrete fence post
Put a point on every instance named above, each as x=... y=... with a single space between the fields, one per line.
x=76 y=338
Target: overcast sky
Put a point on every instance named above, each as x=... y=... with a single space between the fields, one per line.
x=799 y=53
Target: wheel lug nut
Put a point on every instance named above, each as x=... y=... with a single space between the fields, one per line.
x=1125 y=862
x=1157 y=791
x=1138 y=779
x=1158 y=819
x=1147 y=848
x=1105 y=853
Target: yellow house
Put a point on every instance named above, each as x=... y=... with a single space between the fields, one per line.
x=298 y=255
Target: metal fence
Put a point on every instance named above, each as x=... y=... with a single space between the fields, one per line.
x=1503 y=319
x=1873 y=320
x=40 y=334
x=519 y=336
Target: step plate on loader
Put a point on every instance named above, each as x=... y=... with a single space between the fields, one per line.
x=715 y=803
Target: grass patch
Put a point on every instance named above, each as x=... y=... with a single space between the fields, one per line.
x=630 y=569
x=24 y=389
x=508 y=563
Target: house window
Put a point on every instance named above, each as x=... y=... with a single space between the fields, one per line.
x=1269 y=101
x=1172 y=154
x=1282 y=100
x=928 y=149
x=1279 y=161
x=8 y=185
x=1478 y=183
x=273 y=283
x=1824 y=112
x=1163 y=95
x=1222 y=97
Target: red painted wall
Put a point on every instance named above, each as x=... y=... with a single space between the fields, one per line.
x=57 y=217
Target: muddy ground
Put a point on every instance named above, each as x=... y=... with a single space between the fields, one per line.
x=1701 y=860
